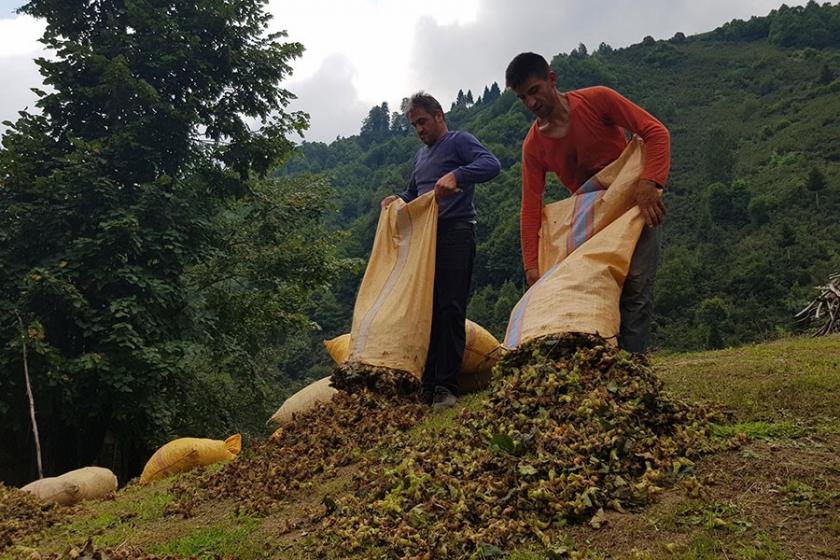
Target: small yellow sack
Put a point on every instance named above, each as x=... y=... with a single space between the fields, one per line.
x=184 y=454
x=306 y=398
x=88 y=483
x=481 y=352
x=338 y=348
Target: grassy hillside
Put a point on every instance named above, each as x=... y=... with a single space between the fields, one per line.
x=773 y=495
x=753 y=111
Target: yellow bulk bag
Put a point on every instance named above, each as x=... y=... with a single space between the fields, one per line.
x=392 y=318
x=305 y=399
x=481 y=352
x=586 y=243
x=338 y=348
x=184 y=454
x=88 y=483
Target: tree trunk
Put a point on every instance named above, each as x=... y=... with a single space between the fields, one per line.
x=31 y=398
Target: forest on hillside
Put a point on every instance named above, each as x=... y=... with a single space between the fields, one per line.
x=166 y=270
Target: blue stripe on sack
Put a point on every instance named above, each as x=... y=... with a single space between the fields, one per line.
x=591 y=185
x=514 y=332
x=583 y=216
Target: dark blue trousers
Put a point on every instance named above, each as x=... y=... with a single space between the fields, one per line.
x=637 y=296
x=453 y=273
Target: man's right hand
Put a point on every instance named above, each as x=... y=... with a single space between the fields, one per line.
x=531 y=276
x=386 y=202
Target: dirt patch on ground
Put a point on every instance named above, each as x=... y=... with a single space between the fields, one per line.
x=782 y=496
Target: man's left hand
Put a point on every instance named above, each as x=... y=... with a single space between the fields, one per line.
x=446 y=185
x=650 y=202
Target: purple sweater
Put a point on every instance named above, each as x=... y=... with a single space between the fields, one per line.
x=461 y=153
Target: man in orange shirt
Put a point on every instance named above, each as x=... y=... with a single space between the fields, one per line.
x=575 y=135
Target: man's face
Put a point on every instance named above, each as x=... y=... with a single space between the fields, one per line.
x=538 y=95
x=429 y=127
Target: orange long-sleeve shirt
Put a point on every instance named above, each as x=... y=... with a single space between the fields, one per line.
x=598 y=118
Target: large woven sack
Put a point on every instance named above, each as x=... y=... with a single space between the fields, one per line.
x=88 y=483
x=481 y=352
x=184 y=454
x=392 y=317
x=586 y=244
x=303 y=400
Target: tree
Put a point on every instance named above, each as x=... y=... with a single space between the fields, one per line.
x=469 y=98
x=124 y=183
x=579 y=52
x=604 y=49
x=729 y=204
x=826 y=75
x=815 y=183
x=713 y=314
x=399 y=122
x=376 y=125
x=495 y=93
x=461 y=99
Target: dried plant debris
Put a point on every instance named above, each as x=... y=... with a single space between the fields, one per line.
x=22 y=514
x=355 y=377
x=824 y=310
x=572 y=427
x=319 y=441
x=90 y=552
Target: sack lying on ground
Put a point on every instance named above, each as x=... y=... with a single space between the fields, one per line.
x=88 y=483
x=184 y=454
x=305 y=399
x=481 y=352
x=392 y=317
x=586 y=244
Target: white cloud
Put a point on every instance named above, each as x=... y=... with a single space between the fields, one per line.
x=18 y=47
x=447 y=57
x=19 y=36
x=331 y=100
x=362 y=52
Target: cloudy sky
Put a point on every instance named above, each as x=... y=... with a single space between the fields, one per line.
x=362 y=52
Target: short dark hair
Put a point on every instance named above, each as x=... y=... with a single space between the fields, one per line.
x=523 y=66
x=424 y=101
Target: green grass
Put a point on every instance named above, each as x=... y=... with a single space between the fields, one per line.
x=794 y=377
x=761 y=430
x=800 y=494
x=229 y=538
x=112 y=522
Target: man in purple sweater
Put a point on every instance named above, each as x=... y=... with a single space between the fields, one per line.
x=450 y=163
